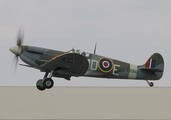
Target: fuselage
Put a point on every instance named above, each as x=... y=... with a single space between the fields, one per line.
x=99 y=66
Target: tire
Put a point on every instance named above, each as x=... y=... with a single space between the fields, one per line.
x=151 y=84
x=48 y=83
x=40 y=85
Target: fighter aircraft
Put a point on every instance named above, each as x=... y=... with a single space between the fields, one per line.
x=77 y=63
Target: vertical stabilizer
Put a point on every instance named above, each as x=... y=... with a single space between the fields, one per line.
x=154 y=65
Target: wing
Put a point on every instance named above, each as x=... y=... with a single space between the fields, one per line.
x=71 y=63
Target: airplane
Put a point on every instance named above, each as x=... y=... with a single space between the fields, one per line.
x=78 y=63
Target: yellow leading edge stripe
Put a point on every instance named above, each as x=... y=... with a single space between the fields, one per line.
x=58 y=56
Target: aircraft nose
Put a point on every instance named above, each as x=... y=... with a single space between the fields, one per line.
x=16 y=50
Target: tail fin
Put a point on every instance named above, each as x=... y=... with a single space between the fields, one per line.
x=155 y=64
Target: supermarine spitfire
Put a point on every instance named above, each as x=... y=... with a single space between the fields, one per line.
x=79 y=63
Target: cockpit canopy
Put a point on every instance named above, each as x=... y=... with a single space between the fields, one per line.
x=79 y=52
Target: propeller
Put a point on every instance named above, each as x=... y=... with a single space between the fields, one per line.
x=16 y=50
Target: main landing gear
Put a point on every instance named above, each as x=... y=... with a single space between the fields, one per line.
x=151 y=84
x=46 y=82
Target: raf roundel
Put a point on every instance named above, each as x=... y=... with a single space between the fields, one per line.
x=105 y=64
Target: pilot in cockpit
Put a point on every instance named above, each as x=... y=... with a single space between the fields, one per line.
x=77 y=51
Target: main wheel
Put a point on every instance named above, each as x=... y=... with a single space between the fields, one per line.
x=48 y=83
x=40 y=85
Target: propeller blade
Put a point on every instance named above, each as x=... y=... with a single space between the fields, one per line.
x=20 y=37
x=15 y=61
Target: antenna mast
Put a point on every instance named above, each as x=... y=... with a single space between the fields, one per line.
x=95 y=48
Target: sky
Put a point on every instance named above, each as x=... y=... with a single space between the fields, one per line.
x=126 y=30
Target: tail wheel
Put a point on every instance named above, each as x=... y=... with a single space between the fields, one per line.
x=151 y=84
x=48 y=83
x=40 y=85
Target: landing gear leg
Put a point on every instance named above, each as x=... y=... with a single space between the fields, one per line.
x=151 y=84
x=46 y=74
